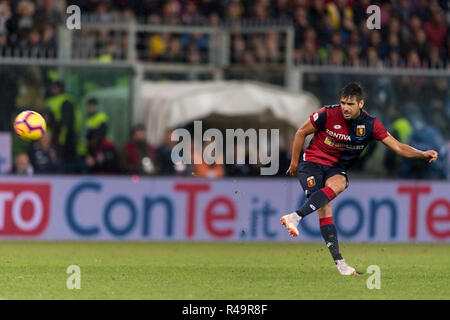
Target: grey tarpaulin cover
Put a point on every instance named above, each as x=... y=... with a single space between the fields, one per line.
x=172 y=104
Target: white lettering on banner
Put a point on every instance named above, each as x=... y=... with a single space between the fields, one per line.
x=37 y=213
x=16 y=205
x=182 y=209
x=4 y=196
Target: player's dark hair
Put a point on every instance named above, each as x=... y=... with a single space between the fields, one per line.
x=351 y=90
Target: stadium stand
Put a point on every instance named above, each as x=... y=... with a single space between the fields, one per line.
x=414 y=33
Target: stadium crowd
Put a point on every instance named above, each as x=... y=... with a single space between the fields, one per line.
x=414 y=33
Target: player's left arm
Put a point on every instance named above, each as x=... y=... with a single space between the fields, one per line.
x=402 y=149
x=407 y=151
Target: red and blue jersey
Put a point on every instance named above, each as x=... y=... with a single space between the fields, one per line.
x=339 y=142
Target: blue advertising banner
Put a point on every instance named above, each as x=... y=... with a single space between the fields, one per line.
x=180 y=209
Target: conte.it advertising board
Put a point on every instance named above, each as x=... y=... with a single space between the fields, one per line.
x=173 y=209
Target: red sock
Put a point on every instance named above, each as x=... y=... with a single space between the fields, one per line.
x=325 y=221
x=329 y=193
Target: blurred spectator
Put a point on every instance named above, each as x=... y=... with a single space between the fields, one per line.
x=190 y=14
x=139 y=156
x=281 y=9
x=171 y=12
x=157 y=45
x=102 y=156
x=401 y=130
x=393 y=43
x=44 y=156
x=234 y=10
x=436 y=29
x=434 y=60
x=204 y=170
x=260 y=53
x=5 y=16
x=193 y=55
x=419 y=44
x=167 y=165
x=248 y=59
x=65 y=121
x=238 y=49
x=436 y=114
x=394 y=60
x=22 y=165
x=31 y=47
x=373 y=59
x=48 y=41
x=174 y=52
x=336 y=57
x=413 y=60
x=353 y=55
x=426 y=138
x=48 y=14
x=377 y=42
x=96 y=119
x=21 y=22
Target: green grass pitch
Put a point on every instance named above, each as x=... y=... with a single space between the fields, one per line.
x=178 y=271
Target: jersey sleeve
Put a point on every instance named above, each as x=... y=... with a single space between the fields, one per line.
x=379 y=132
x=319 y=118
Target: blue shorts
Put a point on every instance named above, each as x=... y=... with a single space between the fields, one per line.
x=312 y=176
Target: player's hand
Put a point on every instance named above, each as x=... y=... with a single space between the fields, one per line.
x=292 y=171
x=430 y=155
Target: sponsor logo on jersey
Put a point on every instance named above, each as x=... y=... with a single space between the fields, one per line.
x=339 y=136
x=361 y=130
x=330 y=142
x=337 y=126
x=311 y=181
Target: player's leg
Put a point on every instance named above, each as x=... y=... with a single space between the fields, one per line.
x=329 y=234
x=333 y=187
x=328 y=231
x=311 y=177
x=327 y=228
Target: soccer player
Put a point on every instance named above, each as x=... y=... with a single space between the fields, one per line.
x=341 y=132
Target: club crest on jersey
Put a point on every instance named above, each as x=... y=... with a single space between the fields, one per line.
x=315 y=116
x=361 y=130
x=311 y=181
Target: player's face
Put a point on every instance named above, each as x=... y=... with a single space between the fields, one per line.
x=351 y=108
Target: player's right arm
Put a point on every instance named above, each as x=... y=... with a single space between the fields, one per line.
x=306 y=129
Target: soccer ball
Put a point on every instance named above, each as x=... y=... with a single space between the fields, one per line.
x=30 y=125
